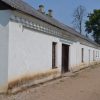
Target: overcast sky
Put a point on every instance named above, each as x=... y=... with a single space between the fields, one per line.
x=63 y=9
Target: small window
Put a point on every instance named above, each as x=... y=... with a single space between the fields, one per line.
x=54 y=55
x=96 y=54
x=82 y=51
x=89 y=55
x=93 y=55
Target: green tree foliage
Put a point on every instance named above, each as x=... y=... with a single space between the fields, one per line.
x=93 y=25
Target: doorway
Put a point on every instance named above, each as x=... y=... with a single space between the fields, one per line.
x=65 y=58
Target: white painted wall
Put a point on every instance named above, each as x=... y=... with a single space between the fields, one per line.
x=30 y=52
x=4 y=36
x=76 y=55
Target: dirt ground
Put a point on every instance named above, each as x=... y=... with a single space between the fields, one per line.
x=83 y=85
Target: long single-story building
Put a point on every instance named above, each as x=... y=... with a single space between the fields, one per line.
x=35 y=47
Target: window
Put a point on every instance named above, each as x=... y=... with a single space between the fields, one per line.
x=96 y=53
x=54 y=55
x=82 y=54
x=89 y=55
x=93 y=55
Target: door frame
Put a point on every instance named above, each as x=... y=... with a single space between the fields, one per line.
x=65 y=69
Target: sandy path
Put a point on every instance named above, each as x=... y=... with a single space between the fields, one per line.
x=84 y=85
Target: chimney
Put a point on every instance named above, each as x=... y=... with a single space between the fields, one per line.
x=50 y=13
x=41 y=9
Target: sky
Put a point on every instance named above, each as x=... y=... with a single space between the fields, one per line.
x=63 y=9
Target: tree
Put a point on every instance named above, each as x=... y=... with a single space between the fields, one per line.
x=78 y=18
x=93 y=25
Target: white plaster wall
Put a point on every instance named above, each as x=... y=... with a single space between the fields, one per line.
x=4 y=36
x=86 y=53
x=76 y=55
x=74 y=51
x=30 y=52
x=59 y=55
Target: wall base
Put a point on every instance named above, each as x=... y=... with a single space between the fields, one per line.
x=83 y=65
x=26 y=82
x=3 y=89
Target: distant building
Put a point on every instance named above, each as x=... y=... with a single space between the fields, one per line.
x=36 y=47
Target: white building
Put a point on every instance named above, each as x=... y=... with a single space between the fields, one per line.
x=35 y=47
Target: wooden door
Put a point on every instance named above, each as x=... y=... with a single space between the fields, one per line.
x=65 y=58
